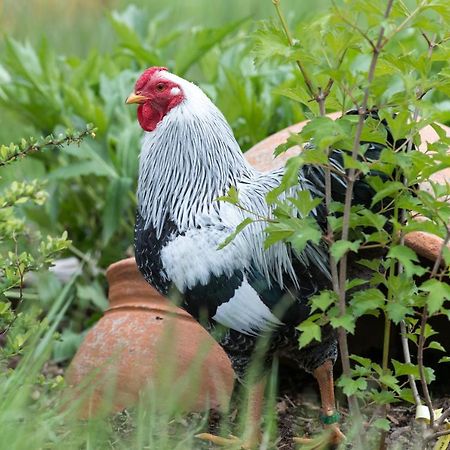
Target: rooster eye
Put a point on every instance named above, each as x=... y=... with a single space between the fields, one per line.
x=160 y=87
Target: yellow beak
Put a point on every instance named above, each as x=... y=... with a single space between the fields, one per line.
x=133 y=98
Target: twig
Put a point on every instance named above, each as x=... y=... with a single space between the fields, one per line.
x=343 y=344
x=355 y=27
x=407 y=358
x=308 y=82
x=421 y=343
x=48 y=142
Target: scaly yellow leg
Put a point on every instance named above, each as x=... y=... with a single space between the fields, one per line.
x=252 y=434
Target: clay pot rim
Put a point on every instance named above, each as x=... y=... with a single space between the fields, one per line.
x=130 y=261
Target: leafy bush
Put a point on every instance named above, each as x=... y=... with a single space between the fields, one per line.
x=389 y=63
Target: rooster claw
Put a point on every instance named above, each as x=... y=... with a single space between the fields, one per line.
x=231 y=441
x=332 y=437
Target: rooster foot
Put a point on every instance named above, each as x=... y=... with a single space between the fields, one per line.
x=331 y=438
x=231 y=441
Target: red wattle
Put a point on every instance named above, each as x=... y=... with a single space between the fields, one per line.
x=148 y=116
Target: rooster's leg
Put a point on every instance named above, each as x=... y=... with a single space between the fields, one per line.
x=329 y=415
x=252 y=434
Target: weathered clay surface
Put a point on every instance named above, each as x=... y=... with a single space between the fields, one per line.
x=144 y=340
x=261 y=157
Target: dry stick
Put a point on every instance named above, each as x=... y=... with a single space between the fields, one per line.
x=403 y=337
x=423 y=323
x=407 y=358
x=343 y=344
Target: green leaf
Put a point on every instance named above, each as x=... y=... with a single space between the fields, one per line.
x=231 y=197
x=310 y=331
x=436 y=346
x=341 y=247
x=438 y=293
x=116 y=201
x=389 y=188
x=406 y=257
x=307 y=231
x=304 y=202
x=350 y=386
x=365 y=362
x=322 y=301
x=347 y=322
x=382 y=424
x=397 y=312
x=238 y=229
x=405 y=369
x=367 y=300
x=199 y=42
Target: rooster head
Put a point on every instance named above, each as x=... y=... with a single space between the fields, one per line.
x=157 y=92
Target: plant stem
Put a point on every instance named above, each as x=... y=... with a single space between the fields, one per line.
x=343 y=344
x=421 y=343
x=386 y=341
x=407 y=358
x=308 y=82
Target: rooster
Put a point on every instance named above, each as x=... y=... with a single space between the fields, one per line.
x=190 y=158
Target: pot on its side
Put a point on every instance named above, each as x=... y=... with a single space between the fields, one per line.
x=261 y=157
x=144 y=341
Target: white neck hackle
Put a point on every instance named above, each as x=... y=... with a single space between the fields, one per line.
x=190 y=159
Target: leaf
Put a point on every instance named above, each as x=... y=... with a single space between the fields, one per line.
x=347 y=322
x=369 y=299
x=309 y=232
x=389 y=188
x=436 y=346
x=323 y=300
x=350 y=386
x=80 y=169
x=365 y=362
x=304 y=202
x=200 y=41
x=438 y=292
x=116 y=200
x=269 y=43
x=405 y=369
x=341 y=247
x=231 y=197
x=406 y=257
x=238 y=229
x=445 y=359
x=310 y=331
x=397 y=312
x=382 y=424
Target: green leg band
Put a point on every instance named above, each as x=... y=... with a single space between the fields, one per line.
x=330 y=419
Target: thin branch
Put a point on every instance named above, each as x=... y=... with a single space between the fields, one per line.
x=423 y=323
x=407 y=358
x=343 y=344
x=46 y=143
x=308 y=82
x=355 y=27
x=436 y=435
x=404 y=23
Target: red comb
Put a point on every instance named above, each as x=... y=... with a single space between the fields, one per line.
x=141 y=82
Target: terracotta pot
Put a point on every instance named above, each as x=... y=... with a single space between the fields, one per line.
x=144 y=341
x=261 y=157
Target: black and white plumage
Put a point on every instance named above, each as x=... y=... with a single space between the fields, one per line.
x=189 y=158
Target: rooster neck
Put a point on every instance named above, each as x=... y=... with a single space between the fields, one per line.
x=185 y=164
